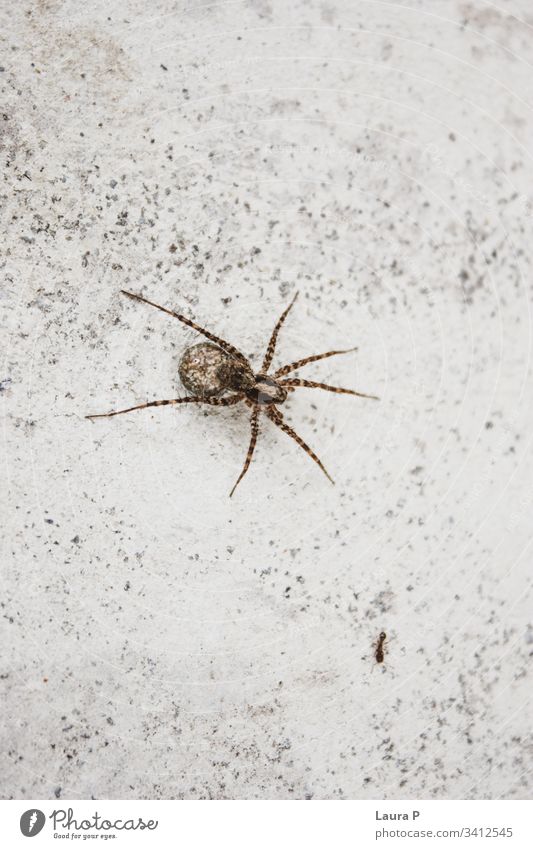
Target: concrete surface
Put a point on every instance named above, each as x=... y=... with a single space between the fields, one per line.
x=160 y=640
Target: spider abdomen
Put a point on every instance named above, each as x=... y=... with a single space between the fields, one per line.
x=207 y=370
x=203 y=370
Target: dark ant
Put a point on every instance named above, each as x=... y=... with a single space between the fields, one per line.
x=379 y=653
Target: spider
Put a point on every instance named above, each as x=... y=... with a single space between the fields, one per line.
x=207 y=370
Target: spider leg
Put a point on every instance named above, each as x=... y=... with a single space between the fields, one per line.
x=275 y=416
x=311 y=384
x=192 y=399
x=299 y=363
x=254 y=424
x=230 y=349
x=273 y=339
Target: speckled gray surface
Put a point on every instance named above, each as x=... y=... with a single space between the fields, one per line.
x=160 y=640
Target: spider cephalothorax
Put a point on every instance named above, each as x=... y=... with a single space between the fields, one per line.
x=212 y=369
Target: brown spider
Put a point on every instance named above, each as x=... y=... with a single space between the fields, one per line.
x=207 y=370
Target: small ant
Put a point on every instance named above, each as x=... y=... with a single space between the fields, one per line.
x=379 y=653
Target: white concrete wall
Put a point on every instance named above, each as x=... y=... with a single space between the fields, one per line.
x=160 y=640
